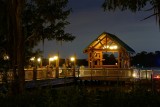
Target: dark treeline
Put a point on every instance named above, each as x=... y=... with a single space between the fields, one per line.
x=146 y=59
x=142 y=59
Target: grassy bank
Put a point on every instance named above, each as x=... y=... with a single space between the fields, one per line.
x=82 y=96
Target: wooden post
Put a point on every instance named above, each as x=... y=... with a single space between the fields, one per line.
x=119 y=59
x=74 y=65
x=89 y=59
x=57 y=66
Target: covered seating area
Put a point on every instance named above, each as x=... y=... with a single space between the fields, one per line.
x=108 y=43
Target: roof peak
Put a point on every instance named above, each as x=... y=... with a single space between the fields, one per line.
x=112 y=37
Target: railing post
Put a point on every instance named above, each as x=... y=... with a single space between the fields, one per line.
x=139 y=74
x=74 y=71
x=57 y=67
x=57 y=72
x=146 y=74
x=91 y=73
x=35 y=73
x=78 y=73
x=107 y=73
x=118 y=77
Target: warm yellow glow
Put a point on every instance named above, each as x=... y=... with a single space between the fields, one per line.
x=55 y=58
x=72 y=59
x=6 y=57
x=104 y=47
x=113 y=47
x=110 y=47
x=134 y=75
x=32 y=59
x=39 y=59
x=51 y=59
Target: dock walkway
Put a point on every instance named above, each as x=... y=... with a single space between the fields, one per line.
x=44 y=77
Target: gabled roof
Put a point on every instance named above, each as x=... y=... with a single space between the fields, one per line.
x=111 y=37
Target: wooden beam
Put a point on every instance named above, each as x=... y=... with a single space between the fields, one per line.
x=99 y=41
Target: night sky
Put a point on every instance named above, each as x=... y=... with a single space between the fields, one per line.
x=88 y=21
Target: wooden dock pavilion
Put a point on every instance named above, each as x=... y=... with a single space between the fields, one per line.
x=104 y=43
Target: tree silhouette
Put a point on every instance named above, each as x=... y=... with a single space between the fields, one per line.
x=24 y=24
x=106 y=59
x=134 y=6
x=146 y=59
x=109 y=59
x=112 y=59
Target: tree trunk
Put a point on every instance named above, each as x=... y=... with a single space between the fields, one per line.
x=16 y=41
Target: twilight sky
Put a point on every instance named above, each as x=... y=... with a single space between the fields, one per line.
x=88 y=21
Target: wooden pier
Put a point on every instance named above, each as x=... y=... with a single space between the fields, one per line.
x=105 y=74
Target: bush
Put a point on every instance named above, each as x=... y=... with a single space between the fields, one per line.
x=81 y=96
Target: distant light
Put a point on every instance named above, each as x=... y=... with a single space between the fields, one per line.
x=32 y=59
x=110 y=47
x=51 y=59
x=39 y=59
x=134 y=75
x=55 y=57
x=72 y=59
x=113 y=47
x=6 y=57
x=157 y=76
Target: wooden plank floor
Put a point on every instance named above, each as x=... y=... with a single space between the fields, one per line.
x=106 y=78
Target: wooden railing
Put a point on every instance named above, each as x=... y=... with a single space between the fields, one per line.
x=48 y=73
x=40 y=74
x=52 y=73
x=106 y=72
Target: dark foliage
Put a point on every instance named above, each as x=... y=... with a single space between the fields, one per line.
x=109 y=59
x=134 y=5
x=81 y=62
x=81 y=96
x=145 y=59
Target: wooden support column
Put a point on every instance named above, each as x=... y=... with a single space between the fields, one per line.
x=101 y=57
x=119 y=59
x=89 y=60
x=122 y=59
x=129 y=60
x=126 y=60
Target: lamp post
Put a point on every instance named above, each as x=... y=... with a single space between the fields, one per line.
x=56 y=59
x=34 y=68
x=36 y=61
x=51 y=59
x=6 y=68
x=32 y=59
x=73 y=60
x=39 y=60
